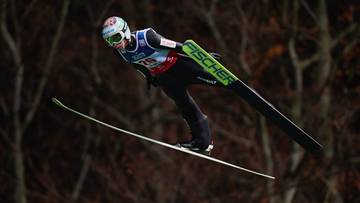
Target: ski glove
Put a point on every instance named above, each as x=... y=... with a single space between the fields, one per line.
x=151 y=80
x=216 y=56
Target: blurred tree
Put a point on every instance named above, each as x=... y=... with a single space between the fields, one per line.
x=19 y=123
x=301 y=55
x=323 y=61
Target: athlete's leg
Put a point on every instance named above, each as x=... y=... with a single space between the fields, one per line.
x=193 y=73
x=195 y=118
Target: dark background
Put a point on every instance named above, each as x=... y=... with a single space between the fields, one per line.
x=302 y=55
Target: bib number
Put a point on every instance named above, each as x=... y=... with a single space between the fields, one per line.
x=147 y=61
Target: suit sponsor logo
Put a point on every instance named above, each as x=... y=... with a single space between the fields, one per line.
x=213 y=82
x=142 y=43
x=212 y=66
x=138 y=56
x=167 y=43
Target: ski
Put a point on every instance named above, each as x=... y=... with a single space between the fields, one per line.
x=60 y=104
x=222 y=74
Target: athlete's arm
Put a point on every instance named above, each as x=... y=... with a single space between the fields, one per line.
x=157 y=41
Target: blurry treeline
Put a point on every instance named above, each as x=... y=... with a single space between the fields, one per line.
x=302 y=55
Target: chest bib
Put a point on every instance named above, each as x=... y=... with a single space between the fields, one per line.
x=154 y=59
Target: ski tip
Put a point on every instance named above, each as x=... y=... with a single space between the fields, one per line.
x=316 y=149
x=272 y=177
x=56 y=101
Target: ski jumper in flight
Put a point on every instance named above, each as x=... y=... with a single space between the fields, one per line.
x=164 y=65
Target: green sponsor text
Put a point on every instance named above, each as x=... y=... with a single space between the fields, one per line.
x=208 y=63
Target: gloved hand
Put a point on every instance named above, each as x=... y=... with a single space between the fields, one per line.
x=151 y=80
x=216 y=56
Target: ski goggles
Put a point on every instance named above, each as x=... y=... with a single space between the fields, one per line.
x=115 y=39
x=118 y=37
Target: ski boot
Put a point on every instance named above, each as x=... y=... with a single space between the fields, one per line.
x=197 y=147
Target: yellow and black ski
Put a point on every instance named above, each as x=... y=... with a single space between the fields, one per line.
x=223 y=75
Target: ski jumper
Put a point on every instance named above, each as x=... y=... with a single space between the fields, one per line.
x=163 y=61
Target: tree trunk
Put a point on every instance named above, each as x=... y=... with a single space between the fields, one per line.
x=297 y=153
x=324 y=44
x=14 y=45
x=268 y=156
x=20 y=190
x=325 y=103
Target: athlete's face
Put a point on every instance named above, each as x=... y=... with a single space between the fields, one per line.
x=122 y=44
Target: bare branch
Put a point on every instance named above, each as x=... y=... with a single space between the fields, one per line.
x=148 y=13
x=353 y=28
x=332 y=194
x=230 y=135
x=266 y=145
x=86 y=159
x=48 y=66
x=99 y=20
x=104 y=12
x=94 y=34
x=16 y=23
x=351 y=45
x=308 y=9
x=129 y=125
x=20 y=190
x=244 y=38
x=293 y=54
x=28 y=10
x=215 y=30
x=9 y=40
x=6 y=138
x=4 y=107
x=307 y=62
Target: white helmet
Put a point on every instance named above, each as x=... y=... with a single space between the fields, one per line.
x=115 y=30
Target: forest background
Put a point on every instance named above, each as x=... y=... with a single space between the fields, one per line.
x=301 y=55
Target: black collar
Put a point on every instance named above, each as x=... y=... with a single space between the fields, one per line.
x=132 y=44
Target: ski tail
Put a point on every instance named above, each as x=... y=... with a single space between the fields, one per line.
x=228 y=79
x=271 y=113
